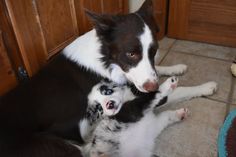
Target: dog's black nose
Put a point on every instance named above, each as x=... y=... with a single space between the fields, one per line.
x=110 y=105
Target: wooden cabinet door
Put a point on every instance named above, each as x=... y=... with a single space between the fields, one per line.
x=160 y=14
x=42 y=28
x=98 y=6
x=28 y=32
x=7 y=76
x=115 y=6
x=80 y=7
x=58 y=22
x=212 y=21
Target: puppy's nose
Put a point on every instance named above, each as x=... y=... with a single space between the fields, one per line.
x=151 y=86
x=110 y=105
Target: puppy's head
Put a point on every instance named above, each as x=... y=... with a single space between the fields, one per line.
x=129 y=45
x=109 y=96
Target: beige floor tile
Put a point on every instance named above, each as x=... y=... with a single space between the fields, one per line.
x=166 y=43
x=162 y=54
x=234 y=91
x=204 y=49
x=201 y=70
x=195 y=136
x=232 y=107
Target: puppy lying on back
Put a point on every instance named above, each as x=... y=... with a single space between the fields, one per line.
x=109 y=129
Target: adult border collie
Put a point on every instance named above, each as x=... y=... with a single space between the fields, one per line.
x=38 y=117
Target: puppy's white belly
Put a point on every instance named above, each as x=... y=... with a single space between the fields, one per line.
x=138 y=140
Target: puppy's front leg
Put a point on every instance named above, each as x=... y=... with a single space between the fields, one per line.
x=169 y=117
x=178 y=69
x=93 y=116
x=186 y=93
x=165 y=89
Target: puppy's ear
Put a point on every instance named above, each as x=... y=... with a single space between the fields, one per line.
x=146 y=8
x=102 y=23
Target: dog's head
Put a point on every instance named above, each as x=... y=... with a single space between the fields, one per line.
x=129 y=45
x=109 y=96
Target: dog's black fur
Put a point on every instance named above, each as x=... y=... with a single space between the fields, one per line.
x=39 y=115
x=40 y=107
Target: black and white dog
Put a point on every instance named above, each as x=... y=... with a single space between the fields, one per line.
x=39 y=116
x=104 y=131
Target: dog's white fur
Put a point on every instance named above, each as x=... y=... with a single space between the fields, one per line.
x=178 y=69
x=139 y=140
x=186 y=93
x=85 y=51
x=143 y=71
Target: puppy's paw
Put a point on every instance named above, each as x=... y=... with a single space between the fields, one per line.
x=169 y=85
x=179 y=115
x=182 y=113
x=208 y=88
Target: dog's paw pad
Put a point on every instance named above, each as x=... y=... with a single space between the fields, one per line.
x=182 y=113
x=209 y=88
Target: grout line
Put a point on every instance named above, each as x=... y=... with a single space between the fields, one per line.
x=168 y=51
x=219 y=59
x=214 y=99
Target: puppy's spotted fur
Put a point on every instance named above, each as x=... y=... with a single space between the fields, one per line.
x=113 y=137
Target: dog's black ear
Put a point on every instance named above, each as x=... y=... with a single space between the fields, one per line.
x=146 y=9
x=102 y=23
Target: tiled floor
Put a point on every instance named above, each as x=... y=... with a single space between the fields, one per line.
x=197 y=136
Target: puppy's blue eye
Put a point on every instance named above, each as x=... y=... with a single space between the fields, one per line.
x=105 y=90
x=108 y=92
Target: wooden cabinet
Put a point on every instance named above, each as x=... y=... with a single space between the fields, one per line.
x=98 y=6
x=42 y=28
x=212 y=21
x=58 y=23
x=7 y=76
x=160 y=14
x=115 y=6
x=81 y=5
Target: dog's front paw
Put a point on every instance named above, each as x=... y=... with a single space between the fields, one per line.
x=208 y=88
x=169 y=85
x=180 y=69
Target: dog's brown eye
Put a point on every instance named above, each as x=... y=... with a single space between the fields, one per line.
x=132 y=55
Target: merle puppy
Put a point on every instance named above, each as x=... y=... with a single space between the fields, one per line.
x=105 y=130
